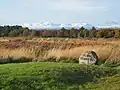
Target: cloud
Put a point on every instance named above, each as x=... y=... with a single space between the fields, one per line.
x=112 y=22
x=59 y=11
x=76 y=5
x=66 y=5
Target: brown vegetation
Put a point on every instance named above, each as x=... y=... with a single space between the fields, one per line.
x=44 y=48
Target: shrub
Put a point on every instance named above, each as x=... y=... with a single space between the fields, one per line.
x=14 y=60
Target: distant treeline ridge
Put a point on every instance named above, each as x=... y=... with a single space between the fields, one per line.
x=18 y=31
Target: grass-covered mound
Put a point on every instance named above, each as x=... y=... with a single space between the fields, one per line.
x=55 y=76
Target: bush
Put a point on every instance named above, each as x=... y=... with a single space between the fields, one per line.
x=55 y=59
x=14 y=60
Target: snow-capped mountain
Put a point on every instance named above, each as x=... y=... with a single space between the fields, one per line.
x=66 y=26
x=49 y=26
x=79 y=25
x=52 y=26
x=109 y=26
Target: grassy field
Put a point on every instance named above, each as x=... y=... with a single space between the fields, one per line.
x=58 y=76
x=43 y=72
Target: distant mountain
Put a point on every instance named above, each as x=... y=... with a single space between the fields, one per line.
x=52 y=26
x=49 y=26
x=79 y=25
x=109 y=26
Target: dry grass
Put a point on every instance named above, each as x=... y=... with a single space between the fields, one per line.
x=104 y=52
x=16 y=53
x=106 y=49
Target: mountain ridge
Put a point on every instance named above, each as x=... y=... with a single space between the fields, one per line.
x=49 y=25
x=53 y=26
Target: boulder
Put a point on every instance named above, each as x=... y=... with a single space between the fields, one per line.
x=89 y=57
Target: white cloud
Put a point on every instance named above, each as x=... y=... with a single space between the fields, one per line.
x=76 y=5
x=64 y=4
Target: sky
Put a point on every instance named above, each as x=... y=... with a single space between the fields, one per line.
x=95 y=12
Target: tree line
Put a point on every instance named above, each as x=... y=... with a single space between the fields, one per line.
x=19 y=31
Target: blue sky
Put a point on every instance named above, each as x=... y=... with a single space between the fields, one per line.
x=96 y=12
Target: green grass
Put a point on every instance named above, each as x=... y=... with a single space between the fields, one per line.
x=57 y=76
x=107 y=83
